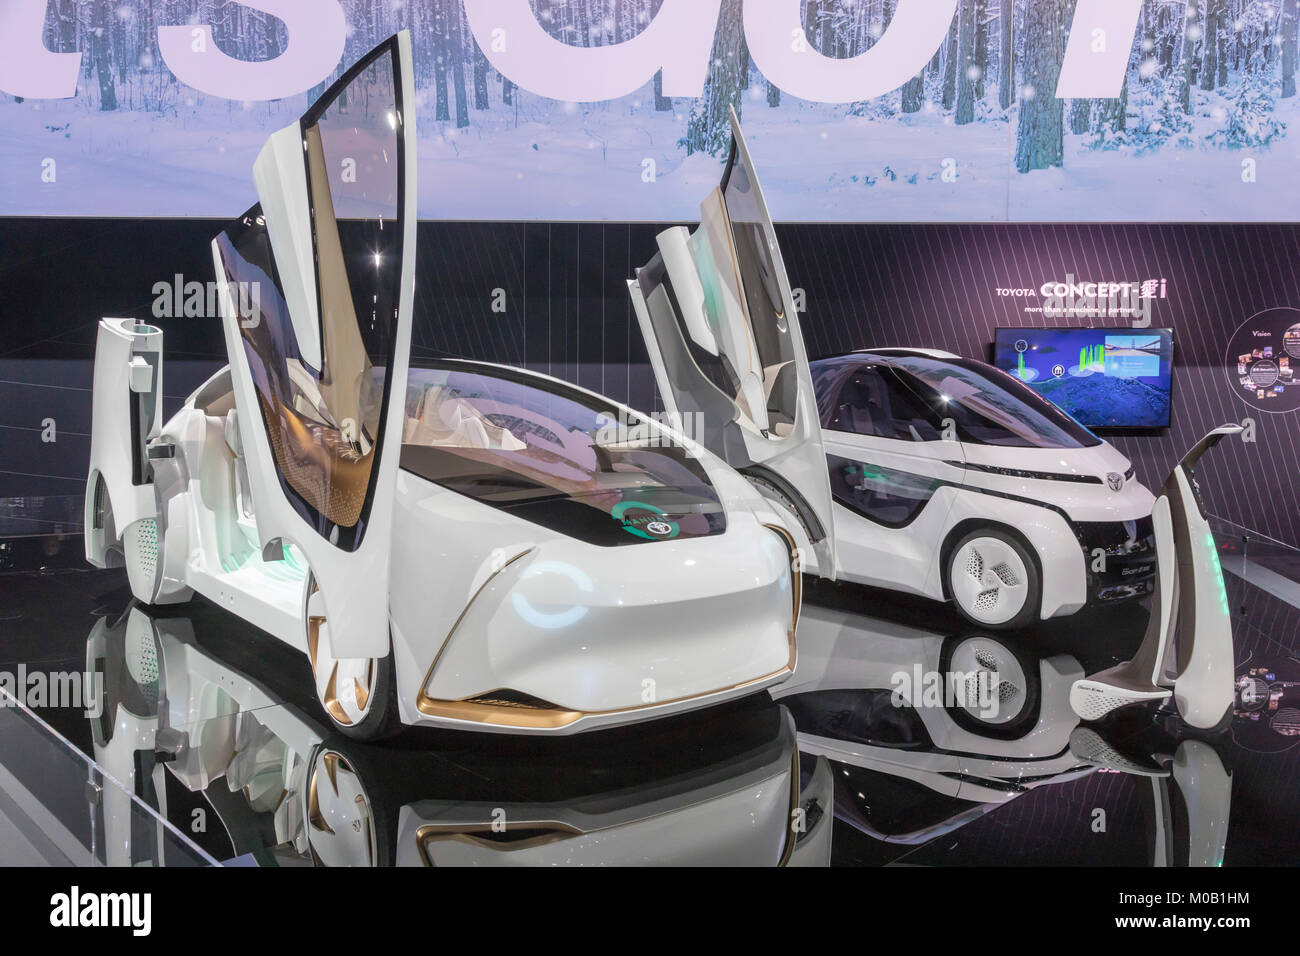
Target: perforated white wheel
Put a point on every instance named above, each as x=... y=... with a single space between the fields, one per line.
x=994 y=687
x=993 y=581
x=356 y=692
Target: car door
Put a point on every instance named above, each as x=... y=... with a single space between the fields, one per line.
x=316 y=290
x=890 y=455
x=719 y=320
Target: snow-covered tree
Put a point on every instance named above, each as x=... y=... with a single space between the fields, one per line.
x=1251 y=122
x=1040 y=136
x=708 y=129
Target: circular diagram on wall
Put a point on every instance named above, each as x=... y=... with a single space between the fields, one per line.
x=1263 y=356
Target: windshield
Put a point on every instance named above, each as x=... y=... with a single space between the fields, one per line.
x=991 y=407
x=554 y=456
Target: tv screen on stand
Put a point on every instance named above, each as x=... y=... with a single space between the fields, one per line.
x=1105 y=378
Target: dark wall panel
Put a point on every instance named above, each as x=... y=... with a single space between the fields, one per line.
x=936 y=286
x=563 y=309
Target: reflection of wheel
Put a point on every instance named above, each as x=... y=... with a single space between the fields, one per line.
x=991 y=686
x=356 y=692
x=993 y=580
x=342 y=829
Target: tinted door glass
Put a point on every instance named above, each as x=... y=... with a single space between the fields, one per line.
x=885 y=495
x=875 y=399
x=324 y=424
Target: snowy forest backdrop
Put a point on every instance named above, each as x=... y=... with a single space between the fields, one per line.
x=1205 y=126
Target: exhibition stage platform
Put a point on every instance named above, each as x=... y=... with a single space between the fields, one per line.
x=185 y=737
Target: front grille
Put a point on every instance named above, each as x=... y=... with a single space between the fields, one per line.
x=506 y=697
x=1129 y=552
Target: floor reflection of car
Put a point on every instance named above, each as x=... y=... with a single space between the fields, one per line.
x=928 y=731
x=721 y=788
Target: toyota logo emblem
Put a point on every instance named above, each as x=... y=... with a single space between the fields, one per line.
x=1115 y=480
x=660 y=528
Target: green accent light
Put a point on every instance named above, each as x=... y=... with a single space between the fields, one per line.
x=1218 y=572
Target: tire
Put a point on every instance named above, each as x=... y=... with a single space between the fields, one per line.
x=993 y=581
x=1017 y=689
x=382 y=721
x=358 y=695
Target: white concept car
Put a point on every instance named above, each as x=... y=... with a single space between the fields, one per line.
x=908 y=469
x=954 y=480
x=461 y=545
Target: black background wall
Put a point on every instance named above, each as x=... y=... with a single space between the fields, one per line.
x=567 y=313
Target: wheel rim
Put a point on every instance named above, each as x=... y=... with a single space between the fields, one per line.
x=345 y=686
x=340 y=827
x=989 y=580
x=1006 y=682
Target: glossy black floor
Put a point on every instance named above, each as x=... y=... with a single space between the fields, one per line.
x=217 y=726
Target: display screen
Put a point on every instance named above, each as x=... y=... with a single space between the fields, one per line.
x=1104 y=378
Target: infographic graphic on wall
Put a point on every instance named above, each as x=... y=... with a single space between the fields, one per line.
x=882 y=110
x=1104 y=377
x=1262 y=358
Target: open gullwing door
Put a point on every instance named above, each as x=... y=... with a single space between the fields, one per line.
x=719 y=321
x=317 y=284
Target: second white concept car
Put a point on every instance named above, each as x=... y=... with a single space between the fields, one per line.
x=460 y=545
x=910 y=469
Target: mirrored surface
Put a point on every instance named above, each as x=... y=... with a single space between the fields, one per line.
x=904 y=737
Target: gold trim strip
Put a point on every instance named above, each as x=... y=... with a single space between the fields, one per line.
x=796 y=577
x=466 y=833
x=546 y=719
x=423 y=701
